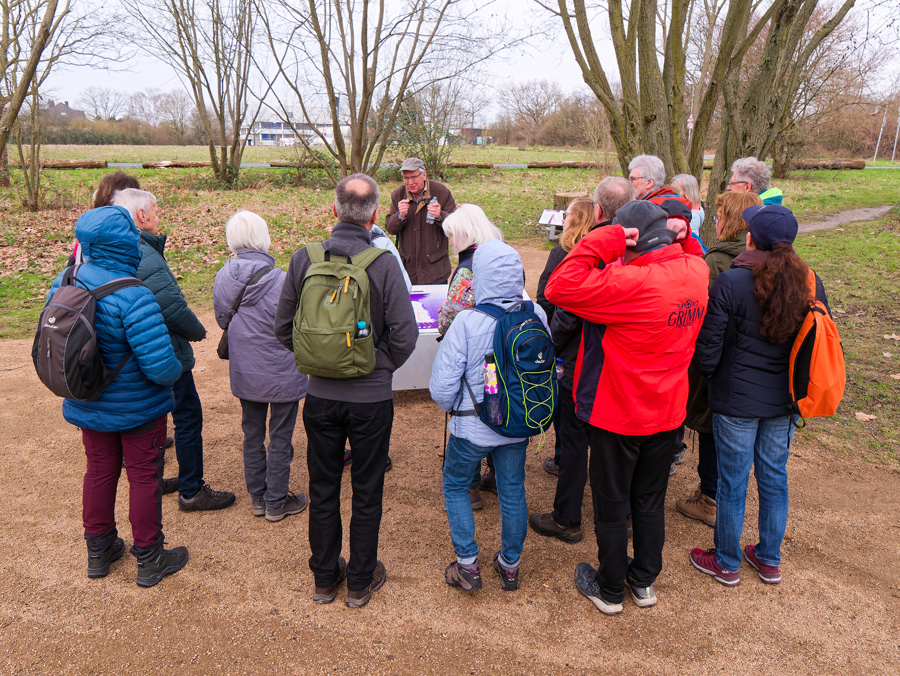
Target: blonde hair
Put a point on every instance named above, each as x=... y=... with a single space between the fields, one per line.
x=689 y=187
x=469 y=225
x=732 y=205
x=246 y=230
x=579 y=223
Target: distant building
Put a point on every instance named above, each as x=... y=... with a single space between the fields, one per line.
x=61 y=112
x=476 y=135
x=271 y=129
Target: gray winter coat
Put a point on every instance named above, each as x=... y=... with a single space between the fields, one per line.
x=498 y=280
x=260 y=367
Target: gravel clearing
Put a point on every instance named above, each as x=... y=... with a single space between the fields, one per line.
x=243 y=604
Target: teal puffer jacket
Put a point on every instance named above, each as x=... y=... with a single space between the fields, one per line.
x=183 y=325
x=126 y=319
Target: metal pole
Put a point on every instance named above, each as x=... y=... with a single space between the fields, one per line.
x=883 y=122
x=896 y=134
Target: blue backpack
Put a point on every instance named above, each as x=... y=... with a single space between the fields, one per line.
x=526 y=361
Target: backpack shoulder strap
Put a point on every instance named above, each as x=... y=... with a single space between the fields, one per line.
x=316 y=252
x=367 y=256
x=811 y=283
x=490 y=310
x=115 y=285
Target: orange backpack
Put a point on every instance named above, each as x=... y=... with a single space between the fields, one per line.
x=816 y=370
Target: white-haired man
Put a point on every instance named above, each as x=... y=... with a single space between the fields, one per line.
x=749 y=174
x=184 y=328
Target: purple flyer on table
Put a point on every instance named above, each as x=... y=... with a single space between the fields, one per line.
x=426 y=302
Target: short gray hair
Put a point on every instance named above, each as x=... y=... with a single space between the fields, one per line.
x=651 y=167
x=612 y=193
x=689 y=187
x=752 y=170
x=133 y=200
x=246 y=230
x=356 y=198
x=469 y=225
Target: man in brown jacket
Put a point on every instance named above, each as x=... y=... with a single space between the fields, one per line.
x=422 y=244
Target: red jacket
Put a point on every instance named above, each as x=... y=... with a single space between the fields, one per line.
x=641 y=321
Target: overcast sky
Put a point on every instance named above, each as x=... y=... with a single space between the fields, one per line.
x=546 y=58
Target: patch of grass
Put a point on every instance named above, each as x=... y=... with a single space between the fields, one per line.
x=816 y=193
x=22 y=298
x=860 y=265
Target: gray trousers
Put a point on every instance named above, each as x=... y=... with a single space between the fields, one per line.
x=268 y=475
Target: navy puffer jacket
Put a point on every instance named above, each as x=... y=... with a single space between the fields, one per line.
x=129 y=318
x=183 y=325
x=748 y=374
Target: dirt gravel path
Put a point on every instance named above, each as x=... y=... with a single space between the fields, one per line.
x=844 y=217
x=243 y=603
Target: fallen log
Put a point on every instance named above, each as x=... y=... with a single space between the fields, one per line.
x=808 y=165
x=65 y=164
x=564 y=164
x=470 y=165
x=176 y=164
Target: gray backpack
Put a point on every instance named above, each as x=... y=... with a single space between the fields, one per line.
x=65 y=351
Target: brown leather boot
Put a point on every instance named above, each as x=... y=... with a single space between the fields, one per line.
x=545 y=525
x=698 y=506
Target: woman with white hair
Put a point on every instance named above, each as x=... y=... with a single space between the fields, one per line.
x=467 y=228
x=263 y=374
x=687 y=187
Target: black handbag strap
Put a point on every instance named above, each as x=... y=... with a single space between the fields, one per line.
x=253 y=280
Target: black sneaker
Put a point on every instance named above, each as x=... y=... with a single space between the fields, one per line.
x=98 y=563
x=459 y=576
x=293 y=504
x=348 y=459
x=586 y=583
x=388 y=466
x=509 y=580
x=206 y=499
x=168 y=561
x=170 y=485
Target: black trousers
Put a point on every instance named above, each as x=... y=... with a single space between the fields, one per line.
x=629 y=474
x=707 y=464
x=573 y=463
x=329 y=425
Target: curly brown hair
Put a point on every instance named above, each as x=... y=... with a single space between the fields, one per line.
x=109 y=184
x=580 y=222
x=732 y=205
x=781 y=288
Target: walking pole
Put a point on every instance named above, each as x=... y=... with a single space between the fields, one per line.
x=896 y=134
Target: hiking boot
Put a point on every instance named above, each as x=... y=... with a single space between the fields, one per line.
x=168 y=561
x=586 y=583
x=475 y=498
x=388 y=466
x=698 y=506
x=644 y=597
x=98 y=562
x=488 y=483
x=357 y=599
x=550 y=466
x=170 y=442
x=509 y=579
x=544 y=524
x=206 y=499
x=293 y=504
x=704 y=560
x=328 y=594
x=170 y=485
x=467 y=578
x=259 y=506
x=768 y=574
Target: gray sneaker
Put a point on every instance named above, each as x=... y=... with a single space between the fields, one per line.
x=206 y=499
x=293 y=504
x=644 y=597
x=259 y=506
x=586 y=583
x=168 y=561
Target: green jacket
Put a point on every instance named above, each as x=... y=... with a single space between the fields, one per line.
x=718 y=258
x=182 y=323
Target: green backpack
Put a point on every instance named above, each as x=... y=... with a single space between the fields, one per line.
x=334 y=298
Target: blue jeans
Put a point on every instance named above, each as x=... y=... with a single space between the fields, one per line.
x=188 y=419
x=460 y=461
x=740 y=443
